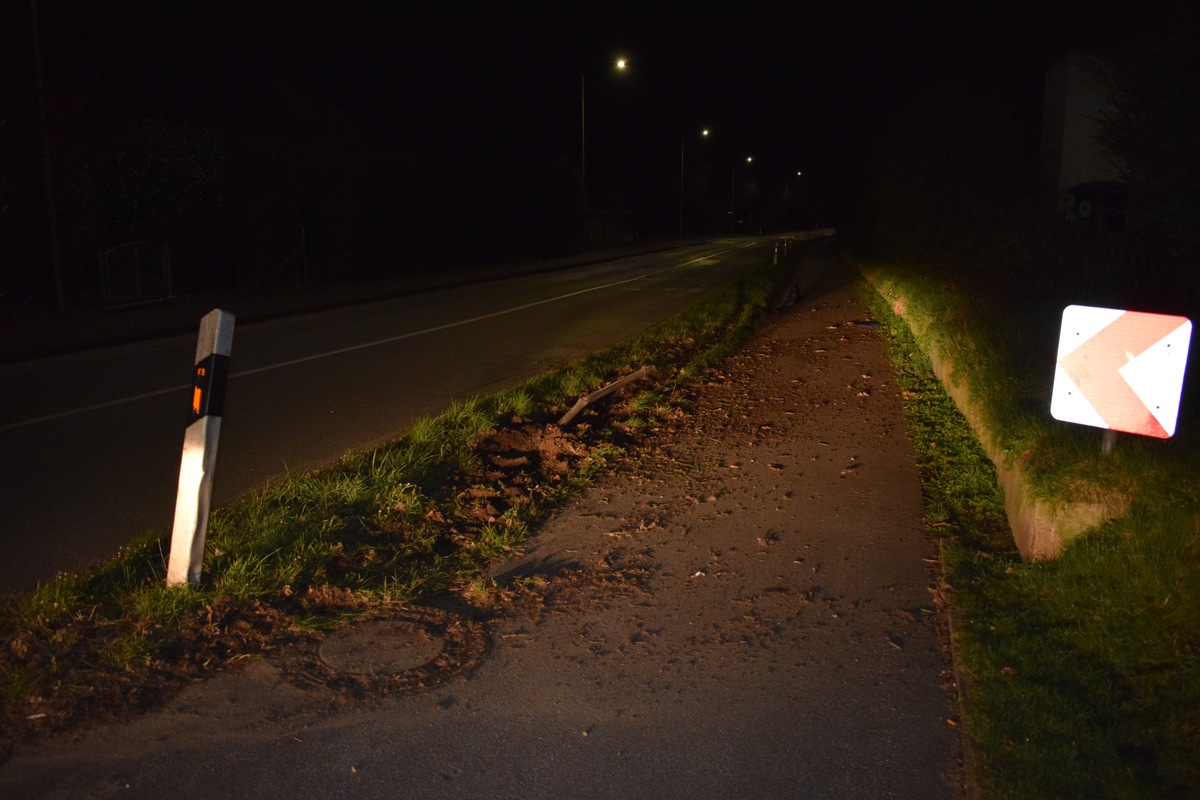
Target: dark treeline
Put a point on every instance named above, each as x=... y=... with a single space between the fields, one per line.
x=264 y=151
x=274 y=185
x=956 y=193
x=956 y=182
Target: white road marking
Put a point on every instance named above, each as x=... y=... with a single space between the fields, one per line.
x=365 y=345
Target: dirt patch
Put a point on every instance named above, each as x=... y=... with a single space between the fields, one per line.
x=527 y=444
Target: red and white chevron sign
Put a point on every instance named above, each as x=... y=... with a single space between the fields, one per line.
x=1121 y=370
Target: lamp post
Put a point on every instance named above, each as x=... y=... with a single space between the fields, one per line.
x=56 y=263
x=682 y=142
x=620 y=64
x=786 y=180
x=733 y=195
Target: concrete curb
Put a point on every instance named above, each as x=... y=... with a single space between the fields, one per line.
x=1041 y=528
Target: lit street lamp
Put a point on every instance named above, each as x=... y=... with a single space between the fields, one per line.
x=682 y=141
x=620 y=64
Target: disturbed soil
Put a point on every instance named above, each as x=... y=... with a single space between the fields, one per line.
x=748 y=607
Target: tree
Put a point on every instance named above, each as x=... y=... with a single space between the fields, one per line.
x=159 y=180
x=1154 y=126
x=953 y=165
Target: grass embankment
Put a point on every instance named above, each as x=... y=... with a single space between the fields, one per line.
x=1081 y=674
x=401 y=524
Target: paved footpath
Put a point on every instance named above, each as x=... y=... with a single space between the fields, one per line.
x=744 y=613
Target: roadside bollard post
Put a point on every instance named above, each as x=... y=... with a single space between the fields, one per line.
x=776 y=259
x=200 y=448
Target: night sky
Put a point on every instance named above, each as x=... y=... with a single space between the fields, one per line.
x=789 y=80
x=800 y=86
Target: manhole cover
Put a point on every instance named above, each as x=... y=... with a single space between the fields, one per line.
x=411 y=649
x=381 y=647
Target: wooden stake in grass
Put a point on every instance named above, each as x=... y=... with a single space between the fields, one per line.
x=584 y=402
x=200 y=448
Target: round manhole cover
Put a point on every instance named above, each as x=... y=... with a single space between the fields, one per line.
x=410 y=649
x=382 y=647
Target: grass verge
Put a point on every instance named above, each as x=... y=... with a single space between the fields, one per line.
x=1081 y=674
x=1002 y=343
x=402 y=524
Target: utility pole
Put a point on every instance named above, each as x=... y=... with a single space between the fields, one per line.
x=60 y=289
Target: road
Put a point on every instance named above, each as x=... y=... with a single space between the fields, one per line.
x=90 y=442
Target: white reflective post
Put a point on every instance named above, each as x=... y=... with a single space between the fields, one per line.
x=200 y=448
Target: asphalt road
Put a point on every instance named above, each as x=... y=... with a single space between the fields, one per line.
x=90 y=442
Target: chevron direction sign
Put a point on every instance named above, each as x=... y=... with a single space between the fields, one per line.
x=1121 y=370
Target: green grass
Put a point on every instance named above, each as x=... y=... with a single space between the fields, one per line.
x=1003 y=346
x=385 y=525
x=1082 y=674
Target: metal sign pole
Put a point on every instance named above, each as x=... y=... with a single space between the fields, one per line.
x=200 y=448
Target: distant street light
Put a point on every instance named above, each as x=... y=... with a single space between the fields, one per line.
x=620 y=64
x=682 y=141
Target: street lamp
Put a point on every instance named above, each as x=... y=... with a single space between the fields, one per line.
x=786 y=180
x=620 y=64
x=733 y=195
x=682 y=141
